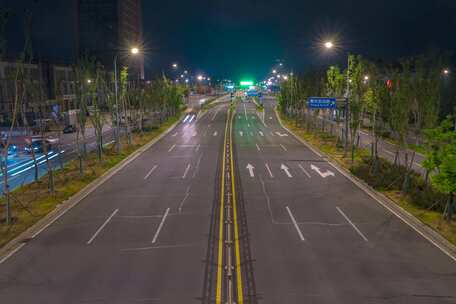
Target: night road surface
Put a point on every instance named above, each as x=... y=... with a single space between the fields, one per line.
x=317 y=238
x=164 y=230
x=140 y=237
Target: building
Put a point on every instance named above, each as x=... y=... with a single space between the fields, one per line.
x=109 y=28
x=48 y=88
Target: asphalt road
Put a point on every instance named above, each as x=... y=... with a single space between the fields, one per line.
x=141 y=237
x=305 y=233
x=317 y=238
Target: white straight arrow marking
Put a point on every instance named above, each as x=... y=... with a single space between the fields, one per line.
x=269 y=170
x=261 y=133
x=322 y=174
x=215 y=133
x=286 y=170
x=250 y=168
x=241 y=133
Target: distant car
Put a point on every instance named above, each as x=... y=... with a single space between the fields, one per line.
x=69 y=129
x=38 y=145
x=12 y=149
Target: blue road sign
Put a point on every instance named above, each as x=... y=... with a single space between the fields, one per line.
x=321 y=103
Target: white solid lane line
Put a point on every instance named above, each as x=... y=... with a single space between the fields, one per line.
x=269 y=170
x=245 y=112
x=160 y=226
x=353 y=225
x=295 y=224
x=12 y=253
x=172 y=148
x=283 y=147
x=258 y=147
x=304 y=170
x=216 y=112
x=186 y=171
x=150 y=172
x=101 y=227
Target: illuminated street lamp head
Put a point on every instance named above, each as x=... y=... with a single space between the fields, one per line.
x=89 y=81
x=174 y=65
x=285 y=77
x=135 y=51
x=274 y=71
x=446 y=72
x=329 y=45
x=200 y=77
x=366 y=78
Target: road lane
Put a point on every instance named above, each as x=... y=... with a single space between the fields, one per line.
x=354 y=251
x=151 y=248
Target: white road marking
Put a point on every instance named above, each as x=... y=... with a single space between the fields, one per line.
x=245 y=112
x=269 y=170
x=102 y=226
x=305 y=171
x=194 y=134
x=295 y=224
x=322 y=174
x=191 y=118
x=418 y=164
x=215 y=133
x=270 y=117
x=362 y=132
x=250 y=168
x=241 y=133
x=258 y=147
x=172 y=148
x=261 y=133
x=281 y=134
x=198 y=147
x=286 y=170
x=351 y=223
x=248 y=125
x=272 y=133
x=283 y=147
x=150 y=172
x=186 y=118
x=187 y=193
x=216 y=112
x=186 y=171
x=160 y=226
x=12 y=253
x=197 y=165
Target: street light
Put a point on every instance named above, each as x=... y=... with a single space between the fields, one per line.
x=89 y=81
x=200 y=77
x=274 y=71
x=174 y=65
x=133 y=51
x=329 y=44
x=446 y=72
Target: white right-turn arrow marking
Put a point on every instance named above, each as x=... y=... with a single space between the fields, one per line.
x=322 y=174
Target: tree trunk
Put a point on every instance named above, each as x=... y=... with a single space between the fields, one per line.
x=448 y=214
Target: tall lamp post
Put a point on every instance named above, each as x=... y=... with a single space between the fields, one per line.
x=330 y=45
x=133 y=51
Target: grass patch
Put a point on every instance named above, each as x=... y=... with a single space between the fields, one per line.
x=32 y=202
x=423 y=202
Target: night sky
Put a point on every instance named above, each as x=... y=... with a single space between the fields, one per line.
x=240 y=38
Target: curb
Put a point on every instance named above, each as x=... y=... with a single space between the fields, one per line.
x=422 y=229
x=32 y=232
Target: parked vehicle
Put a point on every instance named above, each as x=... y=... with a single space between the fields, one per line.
x=38 y=144
x=69 y=129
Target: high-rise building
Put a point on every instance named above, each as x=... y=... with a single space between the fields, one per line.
x=106 y=28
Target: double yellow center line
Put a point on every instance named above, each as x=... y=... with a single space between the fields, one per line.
x=228 y=158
